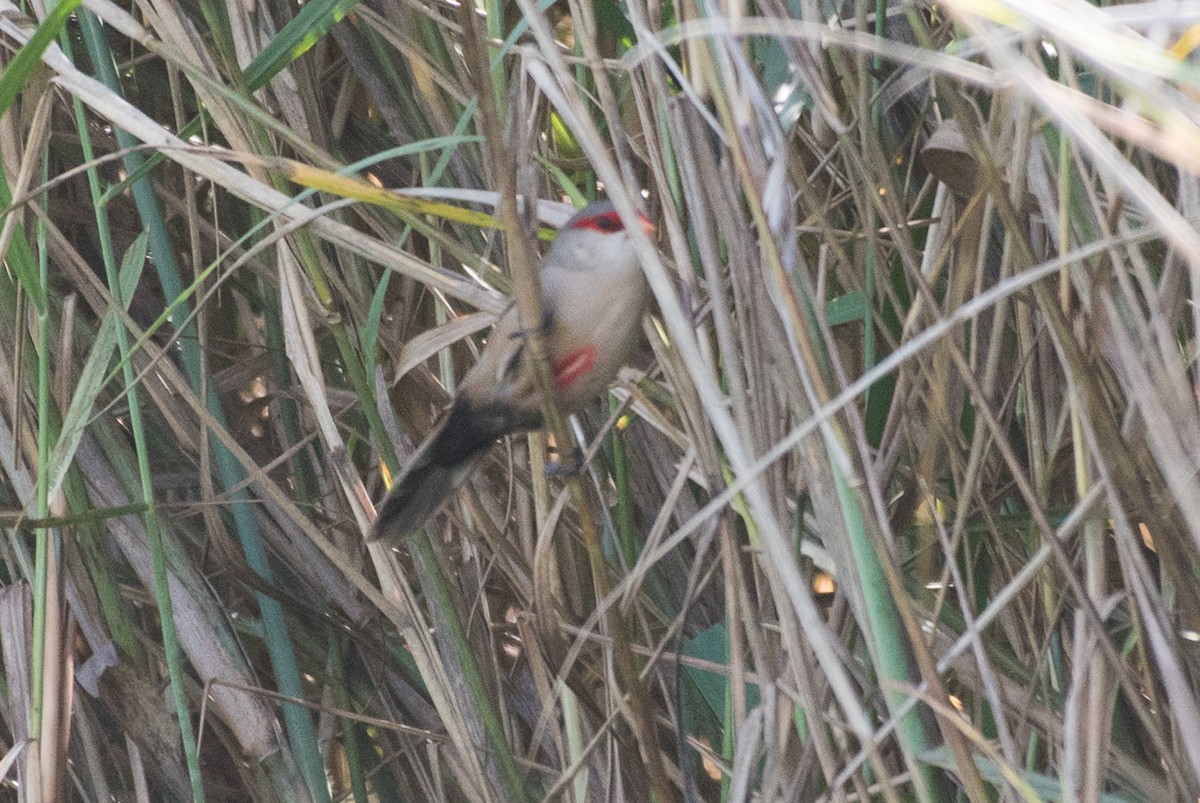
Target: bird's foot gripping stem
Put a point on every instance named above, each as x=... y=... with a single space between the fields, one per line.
x=566 y=465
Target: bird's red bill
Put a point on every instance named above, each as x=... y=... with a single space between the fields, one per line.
x=573 y=366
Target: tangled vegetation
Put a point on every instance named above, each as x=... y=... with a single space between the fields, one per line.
x=898 y=501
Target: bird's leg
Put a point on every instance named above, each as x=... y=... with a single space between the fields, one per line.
x=567 y=465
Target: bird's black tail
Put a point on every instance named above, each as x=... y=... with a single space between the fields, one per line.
x=445 y=461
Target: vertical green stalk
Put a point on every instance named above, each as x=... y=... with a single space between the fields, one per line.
x=154 y=533
x=20 y=260
x=297 y=720
x=351 y=740
x=729 y=720
x=162 y=591
x=494 y=19
x=153 y=523
x=872 y=254
x=623 y=520
x=887 y=635
x=42 y=546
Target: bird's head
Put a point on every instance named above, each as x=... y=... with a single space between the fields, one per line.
x=595 y=238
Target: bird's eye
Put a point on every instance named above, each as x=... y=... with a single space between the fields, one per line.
x=609 y=223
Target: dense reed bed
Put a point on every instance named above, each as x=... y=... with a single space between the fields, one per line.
x=897 y=501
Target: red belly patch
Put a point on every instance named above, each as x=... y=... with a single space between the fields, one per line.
x=573 y=366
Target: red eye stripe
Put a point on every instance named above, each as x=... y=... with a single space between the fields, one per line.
x=607 y=222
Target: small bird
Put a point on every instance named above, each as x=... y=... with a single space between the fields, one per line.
x=593 y=296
